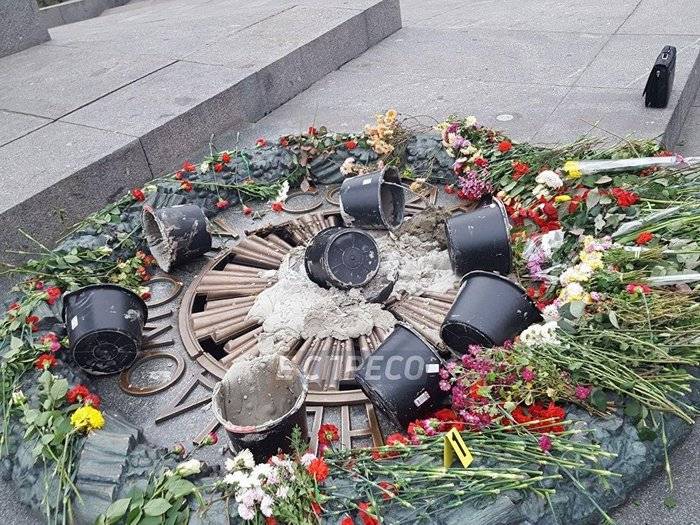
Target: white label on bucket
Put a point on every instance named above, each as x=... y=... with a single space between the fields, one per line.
x=432 y=368
x=421 y=399
x=367 y=181
x=74 y=322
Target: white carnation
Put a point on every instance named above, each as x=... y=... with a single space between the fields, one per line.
x=244 y=459
x=551 y=313
x=550 y=179
x=246 y=513
x=307 y=458
x=266 y=506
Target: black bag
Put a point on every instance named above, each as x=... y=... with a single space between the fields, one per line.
x=660 y=81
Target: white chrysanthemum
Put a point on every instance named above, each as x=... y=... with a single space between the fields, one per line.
x=551 y=313
x=470 y=120
x=572 y=292
x=237 y=478
x=261 y=472
x=551 y=242
x=550 y=179
x=244 y=459
x=204 y=167
x=266 y=506
x=282 y=492
x=576 y=274
x=347 y=165
x=282 y=194
x=541 y=191
x=307 y=458
x=540 y=334
x=245 y=512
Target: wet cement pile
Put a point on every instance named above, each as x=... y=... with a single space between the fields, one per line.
x=257 y=390
x=414 y=258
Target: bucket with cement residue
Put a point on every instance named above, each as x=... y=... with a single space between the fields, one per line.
x=176 y=235
x=341 y=258
x=489 y=310
x=402 y=378
x=105 y=324
x=479 y=240
x=373 y=201
x=259 y=402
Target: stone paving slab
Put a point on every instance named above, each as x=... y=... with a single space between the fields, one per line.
x=14 y=125
x=150 y=81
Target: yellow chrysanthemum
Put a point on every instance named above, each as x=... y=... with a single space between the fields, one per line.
x=391 y=115
x=562 y=198
x=593 y=259
x=87 y=418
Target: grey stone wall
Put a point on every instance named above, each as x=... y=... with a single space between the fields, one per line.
x=20 y=27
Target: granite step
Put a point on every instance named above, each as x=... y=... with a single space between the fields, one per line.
x=113 y=101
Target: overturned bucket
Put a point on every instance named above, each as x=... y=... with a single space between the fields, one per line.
x=488 y=311
x=375 y=200
x=176 y=235
x=479 y=239
x=341 y=258
x=259 y=402
x=105 y=325
x=402 y=378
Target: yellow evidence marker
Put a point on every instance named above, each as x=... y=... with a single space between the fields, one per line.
x=454 y=444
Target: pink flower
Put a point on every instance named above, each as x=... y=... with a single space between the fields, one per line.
x=527 y=374
x=635 y=288
x=582 y=392
x=545 y=443
x=444 y=385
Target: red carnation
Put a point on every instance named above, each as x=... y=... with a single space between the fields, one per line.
x=505 y=146
x=396 y=440
x=624 y=198
x=225 y=157
x=277 y=206
x=222 y=204
x=347 y=520
x=316 y=508
x=284 y=142
x=481 y=162
x=247 y=210
x=39 y=285
x=186 y=185
x=146 y=296
x=32 y=321
x=189 y=167
x=449 y=189
x=45 y=361
x=77 y=394
x=635 y=288
x=218 y=167
x=93 y=400
x=318 y=469
x=312 y=131
x=519 y=170
x=367 y=513
x=643 y=238
x=261 y=142
x=350 y=144
x=389 y=490
x=53 y=294
x=137 y=193
x=327 y=434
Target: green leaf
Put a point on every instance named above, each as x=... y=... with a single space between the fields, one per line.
x=16 y=343
x=670 y=502
x=599 y=399
x=646 y=434
x=156 y=507
x=633 y=408
x=151 y=520
x=181 y=487
x=117 y=510
x=613 y=319
x=577 y=308
x=592 y=199
x=59 y=389
x=71 y=259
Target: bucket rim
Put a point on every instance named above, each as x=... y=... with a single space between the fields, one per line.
x=481 y=334
x=268 y=425
x=110 y=286
x=503 y=278
x=393 y=172
x=429 y=345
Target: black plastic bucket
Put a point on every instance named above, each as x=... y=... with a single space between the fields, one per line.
x=341 y=258
x=375 y=200
x=265 y=440
x=105 y=324
x=479 y=240
x=402 y=378
x=489 y=310
x=176 y=235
